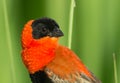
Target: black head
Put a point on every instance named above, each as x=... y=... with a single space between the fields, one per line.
x=45 y=27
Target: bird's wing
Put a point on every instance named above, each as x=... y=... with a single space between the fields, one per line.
x=68 y=68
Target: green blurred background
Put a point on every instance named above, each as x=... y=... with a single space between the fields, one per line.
x=96 y=34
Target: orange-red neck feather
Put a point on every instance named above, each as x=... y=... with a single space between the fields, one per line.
x=37 y=53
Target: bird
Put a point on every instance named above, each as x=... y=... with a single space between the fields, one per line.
x=46 y=60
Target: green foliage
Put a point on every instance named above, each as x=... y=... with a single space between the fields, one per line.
x=95 y=34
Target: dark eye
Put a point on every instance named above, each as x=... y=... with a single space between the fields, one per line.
x=40 y=30
x=44 y=30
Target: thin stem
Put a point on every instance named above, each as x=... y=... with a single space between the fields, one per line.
x=71 y=23
x=9 y=43
x=115 y=68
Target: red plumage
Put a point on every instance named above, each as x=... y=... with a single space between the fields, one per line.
x=59 y=63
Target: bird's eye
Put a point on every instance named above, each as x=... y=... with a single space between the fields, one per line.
x=40 y=30
x=44 y=30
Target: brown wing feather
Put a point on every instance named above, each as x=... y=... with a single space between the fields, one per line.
x=68 y=68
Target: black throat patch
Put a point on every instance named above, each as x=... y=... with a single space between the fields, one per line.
x=40 y=77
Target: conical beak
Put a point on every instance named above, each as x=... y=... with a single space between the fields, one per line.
x=56 y=33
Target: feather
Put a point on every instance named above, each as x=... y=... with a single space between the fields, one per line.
x=68 y=68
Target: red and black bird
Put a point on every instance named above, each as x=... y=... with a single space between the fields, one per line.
x=46 y=60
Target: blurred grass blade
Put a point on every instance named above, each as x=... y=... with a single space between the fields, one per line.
x=72 y=6
x=9 y=43
x=115 y=68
